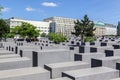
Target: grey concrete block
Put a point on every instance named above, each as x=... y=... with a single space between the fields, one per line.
x=99 y=73
x=93 y=48
x=5 y=52
x=84 y=49
x=56 y=69
x=9 y=56
x=105 y=61
x=86 y=57
x=51 y=56
x=115 y=79
x=110 y=52
x=31 y=73
x=63 y=78
x=103 y=44
x=101 y=49
x=27 y=48
x=115 y=52
x=74 y=48
x=13 y=63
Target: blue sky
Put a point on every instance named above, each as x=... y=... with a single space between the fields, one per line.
x=107 y=11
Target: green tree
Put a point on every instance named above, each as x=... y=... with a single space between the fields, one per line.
x=57 y=37
x=15 y=30
x=83 y=28
x=51 y=36
x=26 y=30
x=4 y=28
x=43 y=34
x=10 y=35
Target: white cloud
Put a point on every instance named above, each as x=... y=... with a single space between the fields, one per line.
x=49 y=4
x=6 y=9
x=29 y=9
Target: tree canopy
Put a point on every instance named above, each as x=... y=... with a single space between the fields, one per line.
x=26 y=30
x=57 y=37
x=43 y=34
x=85 y=27
x=4 y=28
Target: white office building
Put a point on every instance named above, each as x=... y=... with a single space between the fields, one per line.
x=110 y=29
x=42 y=26
x=61 y=25
x=66 y=26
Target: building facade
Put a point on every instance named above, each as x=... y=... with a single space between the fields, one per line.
x=64 y=26
x=105 y=29
x=42 y=26
x=110 y=29
x=100 y=29
x=118 y=28
x=61 y=25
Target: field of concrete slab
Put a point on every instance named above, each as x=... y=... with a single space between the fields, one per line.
x=45 y=60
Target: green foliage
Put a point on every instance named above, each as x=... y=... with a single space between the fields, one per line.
x=26 y=30
x=15 y=30
x=10 y=35
x=43 y=35
x=84 y=28
x=51 y=36
x=57 y=37
x=4 y=28
x=89 y=39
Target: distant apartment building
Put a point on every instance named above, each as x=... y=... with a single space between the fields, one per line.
x=100 y=29
x=105 y=29
x=66 y=26
x=61 y=25
x=42 y=26
x=110 y=29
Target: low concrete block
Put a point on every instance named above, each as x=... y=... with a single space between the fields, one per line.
x=93 y=48
x=56 y=69
x=87 y=57
x=109 y=52
x=116 y=46
x=99 y=73
x=39 y=58
x=13 y=63
x=115 y=79
x=31 y=73
x=5 y=52
x=100 y=49
x=114 y=52
x=103 y=44
x=63 y=78
x=9 y=56
x=28 y=48
x=105 y=61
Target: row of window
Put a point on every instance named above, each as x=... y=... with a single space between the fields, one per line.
x=43 y=27
x=44 y=30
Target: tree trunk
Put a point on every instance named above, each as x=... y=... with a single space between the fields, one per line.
x=82 y=40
